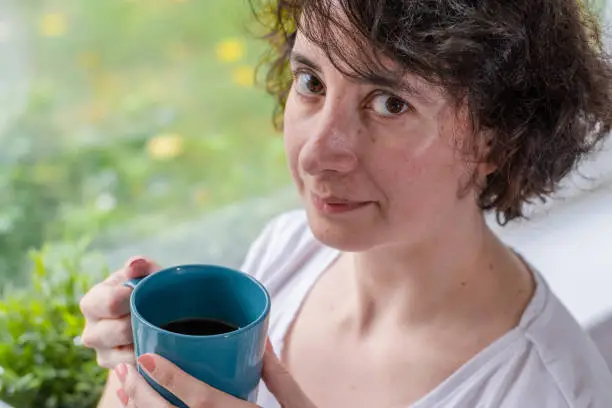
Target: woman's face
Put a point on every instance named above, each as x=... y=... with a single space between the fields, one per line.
x=375 y=166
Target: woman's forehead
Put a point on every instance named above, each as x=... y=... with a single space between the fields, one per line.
x=305 y=46
x=348 y=62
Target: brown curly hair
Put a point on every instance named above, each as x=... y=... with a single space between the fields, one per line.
x=532 y=73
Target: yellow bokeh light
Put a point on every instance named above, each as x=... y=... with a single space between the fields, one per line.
x=165 y=146
x=244 y=76
x=230 y=50
x=53 y=25
x=202 y=196
x=89 y=60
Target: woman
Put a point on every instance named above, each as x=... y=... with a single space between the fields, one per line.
x=404 y=122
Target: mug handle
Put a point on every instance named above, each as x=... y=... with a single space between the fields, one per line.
x=132 y=283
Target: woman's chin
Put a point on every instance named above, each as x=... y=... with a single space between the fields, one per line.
x=344 y=236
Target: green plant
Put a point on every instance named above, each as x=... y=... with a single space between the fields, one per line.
x=42 y=364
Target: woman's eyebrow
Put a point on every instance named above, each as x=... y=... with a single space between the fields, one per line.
x=298 y=58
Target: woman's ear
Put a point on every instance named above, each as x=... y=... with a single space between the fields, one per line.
x=484 y=144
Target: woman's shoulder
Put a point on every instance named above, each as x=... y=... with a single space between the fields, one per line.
x=556 y=363
x=282 y=249
x=567 y=356
x=547 y=361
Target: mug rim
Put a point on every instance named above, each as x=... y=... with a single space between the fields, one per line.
x=260 y=318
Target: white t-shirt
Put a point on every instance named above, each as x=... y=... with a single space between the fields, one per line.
x=547 y=361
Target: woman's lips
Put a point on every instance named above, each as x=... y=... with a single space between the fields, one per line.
x=332 y=205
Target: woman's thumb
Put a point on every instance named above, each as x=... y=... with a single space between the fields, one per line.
x=281 y=384
x=139 y=266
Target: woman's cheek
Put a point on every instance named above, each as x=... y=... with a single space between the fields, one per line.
x=294 y=138
x=293 y=158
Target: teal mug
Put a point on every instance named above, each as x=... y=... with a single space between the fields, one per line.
x=210 y=321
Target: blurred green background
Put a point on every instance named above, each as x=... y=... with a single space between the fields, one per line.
x=138 y=114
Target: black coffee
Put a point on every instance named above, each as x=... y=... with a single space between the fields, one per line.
x=199 y=327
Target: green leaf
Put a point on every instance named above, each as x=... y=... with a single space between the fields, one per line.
x=41 y=365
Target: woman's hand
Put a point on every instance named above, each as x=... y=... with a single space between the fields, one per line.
x=106 y=308
x=136 y=392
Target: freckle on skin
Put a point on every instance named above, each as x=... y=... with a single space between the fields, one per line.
x=464 y=284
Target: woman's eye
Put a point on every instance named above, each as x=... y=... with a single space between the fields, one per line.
x=388 y=105
x=308 y=84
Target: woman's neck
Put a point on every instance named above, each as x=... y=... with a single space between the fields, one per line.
x=457 y=276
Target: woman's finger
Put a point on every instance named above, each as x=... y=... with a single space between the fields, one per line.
x=106 y=300
x=110 y=299
x=136 y=391
x=191 y=391
x=107 y=333
x=111 y=358
x=138 y=266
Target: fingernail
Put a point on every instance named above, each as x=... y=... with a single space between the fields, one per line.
x=121 y=371
x=122 y=397
x=147 y=362
x=137 y=263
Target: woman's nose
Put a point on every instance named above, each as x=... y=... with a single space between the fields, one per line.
x=331 y=147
